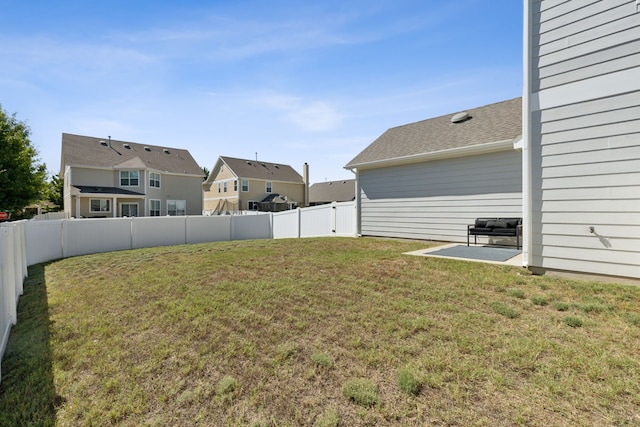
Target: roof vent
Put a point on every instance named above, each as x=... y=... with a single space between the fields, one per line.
x=127 y=146
x=104 y=143
x=248 y=162
x=460 y=117
x=147 y=149
x=165 y=151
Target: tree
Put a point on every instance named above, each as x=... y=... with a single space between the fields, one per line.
x=55 y=191
x=205 y=171
x=22 y=177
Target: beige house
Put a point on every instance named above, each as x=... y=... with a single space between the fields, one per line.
x=248 y=185
x=109 y=178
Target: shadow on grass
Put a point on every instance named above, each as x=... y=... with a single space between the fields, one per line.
x=27 y=391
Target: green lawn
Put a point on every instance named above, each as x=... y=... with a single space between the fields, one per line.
x=323 y=332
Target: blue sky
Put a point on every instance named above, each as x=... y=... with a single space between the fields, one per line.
x=293 y=81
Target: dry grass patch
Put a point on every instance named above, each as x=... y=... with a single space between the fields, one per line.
x=272 y=332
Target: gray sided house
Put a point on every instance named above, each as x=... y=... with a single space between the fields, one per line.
x=430 y=179
x=109 y=178
x=582 y=136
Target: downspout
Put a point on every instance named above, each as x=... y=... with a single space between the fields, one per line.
x=526 y=137
x=355 y=172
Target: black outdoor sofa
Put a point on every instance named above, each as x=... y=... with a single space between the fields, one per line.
x=499 y=227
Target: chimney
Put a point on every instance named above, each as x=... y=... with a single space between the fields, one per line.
x=305 y=178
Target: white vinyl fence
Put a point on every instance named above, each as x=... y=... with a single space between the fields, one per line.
x=13 y=270
x=25 y=243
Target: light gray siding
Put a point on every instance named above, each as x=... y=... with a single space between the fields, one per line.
x=436 y=200
x=584 y=136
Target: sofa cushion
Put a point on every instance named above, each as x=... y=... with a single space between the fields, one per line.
x=482 y=222
x=479 y=230
x=511 y=222
x=497 y=223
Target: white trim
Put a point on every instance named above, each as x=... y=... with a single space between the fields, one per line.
x=507 y=144
x=159 y=206
x=100 y=200
x=129 y=204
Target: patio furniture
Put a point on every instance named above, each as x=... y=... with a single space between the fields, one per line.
x=495 y=227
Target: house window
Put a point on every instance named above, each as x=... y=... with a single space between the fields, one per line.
x=129 y=209
x=219 y=188
x=253 y=206
x=100 y=205
x=235 y=185
x=225 y=186
x=176 y=207
x=154 y=207
x=268 y=186
x=154 y=180
x=245 y=185
x=128 y=178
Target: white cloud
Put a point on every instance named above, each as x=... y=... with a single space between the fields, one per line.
x=311 y=116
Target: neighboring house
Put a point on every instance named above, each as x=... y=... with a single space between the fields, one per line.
x=582 y=136
x=236 y=185
x=108 y=178
x=332 y=191
x=428 y=180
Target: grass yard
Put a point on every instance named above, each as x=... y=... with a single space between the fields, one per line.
x=317 y=332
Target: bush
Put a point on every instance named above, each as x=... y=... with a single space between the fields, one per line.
x=362 y=391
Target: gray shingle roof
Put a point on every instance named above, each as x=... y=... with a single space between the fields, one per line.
x=266 y=171
x=491 y=123
x=87 y=189
x=78 y=150
x=333 y=191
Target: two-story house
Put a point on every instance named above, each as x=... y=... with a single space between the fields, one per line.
x=109 y=178
x=239 y=185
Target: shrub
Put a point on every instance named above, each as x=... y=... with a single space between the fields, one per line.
x=408 y=382
x=362 y=391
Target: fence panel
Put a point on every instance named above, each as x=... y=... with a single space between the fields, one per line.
x=345 y=219
x=93 y=235
x=159 y=231
x=8 y=309
x=43 y=241
x=286 y=224
x=246 y=227
x=201 y=229
x=316 y=221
